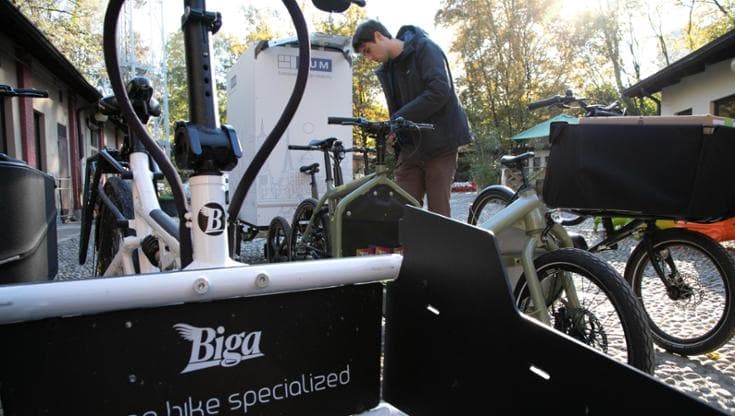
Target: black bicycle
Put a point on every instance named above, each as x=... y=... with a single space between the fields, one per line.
x=280 y=234
x=683 y=278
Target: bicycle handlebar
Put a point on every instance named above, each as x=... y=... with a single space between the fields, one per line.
x=592 y=110
x=360 y=150
x=8 y=91
x=345 y=120
x=547 y=102
x=299 y=147
x=379 y=126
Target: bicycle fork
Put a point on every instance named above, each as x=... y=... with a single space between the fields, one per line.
x=676 y=289
x=537 y=238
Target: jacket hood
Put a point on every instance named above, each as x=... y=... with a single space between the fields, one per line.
x=409 y=34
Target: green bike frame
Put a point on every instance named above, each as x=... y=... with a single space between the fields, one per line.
x=338 y=198
x=526 y=217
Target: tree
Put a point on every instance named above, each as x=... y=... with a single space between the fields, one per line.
x=75 y=29
x=505 y=64
x=227 y=49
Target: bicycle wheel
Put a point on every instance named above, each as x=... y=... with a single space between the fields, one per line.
x=609 y=318
x=316 y=244
x=278 y=243
x=695 y=314
x=108 y=236
x=488 y=202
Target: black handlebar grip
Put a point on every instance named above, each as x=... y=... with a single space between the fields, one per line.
x=544 y=103
x=343 y=120
x=297 y=147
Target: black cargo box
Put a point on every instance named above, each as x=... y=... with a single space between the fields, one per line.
x=660 y=171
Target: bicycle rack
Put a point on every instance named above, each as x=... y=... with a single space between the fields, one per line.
x=305 y=338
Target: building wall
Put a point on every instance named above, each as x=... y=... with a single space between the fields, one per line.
x=700 y=90
x=8 y=76
x=63 y=159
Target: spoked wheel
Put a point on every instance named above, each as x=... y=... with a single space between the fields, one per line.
x=315 y=245
x=488 y=203
x=108 y=236
x=690 y=307
x=278 y=243
x=608 y=316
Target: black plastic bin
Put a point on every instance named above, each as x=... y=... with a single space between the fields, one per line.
x=28 y=249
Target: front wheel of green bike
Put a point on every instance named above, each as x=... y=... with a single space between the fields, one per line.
x=278 y=243
x=315 y=244
x=607 y=317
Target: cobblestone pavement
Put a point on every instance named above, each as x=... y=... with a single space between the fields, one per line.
x=709 y=378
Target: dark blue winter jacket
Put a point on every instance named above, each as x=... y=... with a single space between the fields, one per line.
x=418 y=87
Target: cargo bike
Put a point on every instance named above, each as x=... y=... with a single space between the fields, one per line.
x=647 y=169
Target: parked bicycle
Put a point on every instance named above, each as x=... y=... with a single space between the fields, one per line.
x=133 y=235
x=278 y=242
x=561 y=285
x=351 y=216
x=683 y=278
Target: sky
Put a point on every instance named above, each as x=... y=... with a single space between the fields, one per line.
x=392 y=13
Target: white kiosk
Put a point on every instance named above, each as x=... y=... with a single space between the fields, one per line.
x=259 y=85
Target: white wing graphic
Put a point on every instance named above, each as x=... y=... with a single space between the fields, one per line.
x=188 y=332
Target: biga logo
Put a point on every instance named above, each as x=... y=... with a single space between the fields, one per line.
x=211 y=219
x=210 y=347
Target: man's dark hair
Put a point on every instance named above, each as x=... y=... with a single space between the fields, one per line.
x=365 y=32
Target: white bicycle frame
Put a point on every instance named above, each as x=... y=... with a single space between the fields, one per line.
x=210 y=248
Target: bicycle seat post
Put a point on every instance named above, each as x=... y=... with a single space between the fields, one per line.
x=328 y=172
x=314 y=190
x=201 y=145
x=338 y=153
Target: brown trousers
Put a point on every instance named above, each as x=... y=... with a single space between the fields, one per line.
x=432 y=178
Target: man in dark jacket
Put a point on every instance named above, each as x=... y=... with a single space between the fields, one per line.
x=418 y=87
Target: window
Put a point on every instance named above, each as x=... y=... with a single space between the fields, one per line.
x=38 y=126
x=687 y=112
x=3 y=134
x=61 y=130
x=94 y=141
x=725 y=107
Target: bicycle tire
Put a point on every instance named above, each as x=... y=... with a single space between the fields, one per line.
x=278 y=243
x=488 y=202
x=108 y=235
x=694 y=255
x=617 y=311
x=318 y=247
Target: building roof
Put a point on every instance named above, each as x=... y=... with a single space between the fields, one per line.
x=716 y=51
x=541 y=130
x=21 y=30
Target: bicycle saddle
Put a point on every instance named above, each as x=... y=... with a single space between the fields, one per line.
x=313 y=168
x=323 y=143
x=515 y=161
